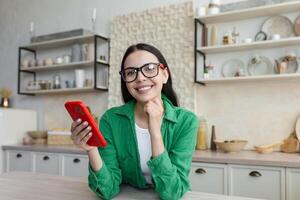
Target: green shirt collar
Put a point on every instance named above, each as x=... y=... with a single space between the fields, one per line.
x=170 y=114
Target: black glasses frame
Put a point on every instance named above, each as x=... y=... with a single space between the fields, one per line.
x=140 y=69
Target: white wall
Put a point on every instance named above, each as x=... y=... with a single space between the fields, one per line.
x=260 y=112
x=55 y=16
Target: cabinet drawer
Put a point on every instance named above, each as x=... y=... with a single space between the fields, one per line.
x=256 y=181
x=210 y=178
x=292 y=183
x=75 y=165
x=47 y=163
x=19 y=161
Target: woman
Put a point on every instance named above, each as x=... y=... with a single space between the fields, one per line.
x=150 y=140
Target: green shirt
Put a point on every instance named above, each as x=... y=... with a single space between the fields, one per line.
x=121 y=159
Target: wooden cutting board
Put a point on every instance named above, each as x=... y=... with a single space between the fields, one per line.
x=291 y=144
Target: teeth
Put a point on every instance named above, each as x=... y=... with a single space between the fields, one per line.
x=144 y=88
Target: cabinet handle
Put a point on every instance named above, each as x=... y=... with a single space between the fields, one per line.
x=46 y=158
x=19 y=155
x=76 y=160
x=200 y=171
x=255 y=174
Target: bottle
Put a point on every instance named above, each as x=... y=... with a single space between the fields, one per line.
x=211 y=71
x=213 y=145
x=213 y=35
x=206 y=74
x=201 y=136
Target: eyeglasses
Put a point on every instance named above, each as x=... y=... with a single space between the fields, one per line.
x=149 y=70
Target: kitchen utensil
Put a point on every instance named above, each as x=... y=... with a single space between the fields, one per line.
x=278 y=25
x=297 y=26
x=67 y=59
x=298 y=129
x=48 y=61
x=59 y=60
x=275 y=37
x=39 y=62
x=292 y=64
x=56 y=81
x=231 y=67
x=32 y=63
x=37 y=134
x=76 y=53
x=79 y=78
x=260 y=65
x=269 y=148
x=25 y=63
x=247 y=40
x=291 y=144
x=231 y=145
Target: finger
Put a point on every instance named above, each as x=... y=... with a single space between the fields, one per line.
x=75 y=123
x=86 y=138
x=82 y=134
x=158 y=102
x=80 y=128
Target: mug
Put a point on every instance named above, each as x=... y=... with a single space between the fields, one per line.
x=276 y=37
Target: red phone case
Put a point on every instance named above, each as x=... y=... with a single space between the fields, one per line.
x=77 y=109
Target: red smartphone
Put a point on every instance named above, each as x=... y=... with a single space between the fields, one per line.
x=77 y=109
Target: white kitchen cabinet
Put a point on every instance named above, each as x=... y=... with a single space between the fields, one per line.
x=257 y=182
x=64 y=164
x=292 y=184
x=75 y=165
x=47 y=163
x=18 y=161
x=210 y=178
x=14 y=123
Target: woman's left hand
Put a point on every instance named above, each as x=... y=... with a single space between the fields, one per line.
x=155 y=110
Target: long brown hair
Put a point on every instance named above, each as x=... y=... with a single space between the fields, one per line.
x=167 y=88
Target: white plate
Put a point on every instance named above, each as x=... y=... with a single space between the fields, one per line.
x=278 y=25
x=263 y=66
x=231 y=67
x=298 y=128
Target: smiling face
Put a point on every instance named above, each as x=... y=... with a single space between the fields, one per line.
x=142 y=88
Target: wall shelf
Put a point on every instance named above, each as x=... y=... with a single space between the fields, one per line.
x=100 y=68
x=59 y=66
x=64 y=91
x=267 y=10
x=62 y=42
x=275 y=77
x=250 y=46
x=236 y=15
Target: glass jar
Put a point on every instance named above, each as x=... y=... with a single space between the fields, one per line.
x=56 y=81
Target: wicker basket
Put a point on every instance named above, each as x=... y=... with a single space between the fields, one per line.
x=59 y=138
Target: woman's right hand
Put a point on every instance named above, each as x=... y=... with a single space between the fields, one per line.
x=81 y=133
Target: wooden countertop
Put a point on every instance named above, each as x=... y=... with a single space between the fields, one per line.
x=28 y=186
x=277 y=159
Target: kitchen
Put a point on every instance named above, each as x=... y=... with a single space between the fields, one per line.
x=260 y=106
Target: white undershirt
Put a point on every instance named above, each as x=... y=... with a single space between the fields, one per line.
x=144 y=146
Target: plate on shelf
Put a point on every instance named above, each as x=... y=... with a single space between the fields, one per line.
x=278 y=25
x=231 y=67
x=297 y=26
x=260 y=65
x=298 y=128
